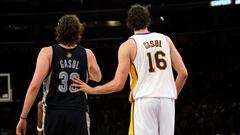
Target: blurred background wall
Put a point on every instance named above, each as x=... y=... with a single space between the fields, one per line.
x=207 y=36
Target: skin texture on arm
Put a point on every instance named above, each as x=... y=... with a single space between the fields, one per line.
x=93 y=68
x=41 y=70
x=121 y=74
x=178 y=66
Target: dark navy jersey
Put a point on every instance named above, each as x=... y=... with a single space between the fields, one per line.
x=66 y=64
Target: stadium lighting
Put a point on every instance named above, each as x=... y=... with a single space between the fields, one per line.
x=113 y=23
x=237 y=2
x=215 y=3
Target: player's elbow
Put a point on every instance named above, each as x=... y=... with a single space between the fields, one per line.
x=33 y=88
x=184 y=74
x=118 y=86
x=98 y=78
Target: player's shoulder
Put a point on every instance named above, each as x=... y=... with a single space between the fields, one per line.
x=160 y=34
x=163 y=36
x=47 y=48
x=89 y=53
x=128 y=42
x=127 y=46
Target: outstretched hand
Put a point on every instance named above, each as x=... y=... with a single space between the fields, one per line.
x=81 y=86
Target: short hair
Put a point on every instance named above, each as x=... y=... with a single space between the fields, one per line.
x=69 y=29
x=138 y=17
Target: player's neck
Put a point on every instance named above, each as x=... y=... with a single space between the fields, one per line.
x=68 y=46
x=142 y=31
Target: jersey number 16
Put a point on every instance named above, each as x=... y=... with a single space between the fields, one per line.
x=159 y=60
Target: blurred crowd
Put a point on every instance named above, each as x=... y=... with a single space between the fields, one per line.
x=110 y=116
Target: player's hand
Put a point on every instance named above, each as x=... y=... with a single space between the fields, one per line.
x=81 y=86
x=21 y=127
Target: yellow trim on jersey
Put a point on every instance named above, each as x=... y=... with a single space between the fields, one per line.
x=134 y=75
x=133 y=84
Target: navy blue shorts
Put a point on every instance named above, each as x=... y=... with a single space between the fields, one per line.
x=65 y=122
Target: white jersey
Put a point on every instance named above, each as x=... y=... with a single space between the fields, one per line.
x=151 y=72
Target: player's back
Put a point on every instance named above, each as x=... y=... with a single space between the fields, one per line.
x=151 y=72
x=66 y=64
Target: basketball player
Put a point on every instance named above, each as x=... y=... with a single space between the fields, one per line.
x=65 y=107
x=149 y=57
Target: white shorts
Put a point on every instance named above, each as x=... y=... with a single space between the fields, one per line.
x=154 y=116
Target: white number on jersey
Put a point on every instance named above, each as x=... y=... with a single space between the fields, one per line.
x=64 y=77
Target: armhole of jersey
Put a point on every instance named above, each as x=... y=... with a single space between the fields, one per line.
x=136 y=49
x=87 y=73
x=50 y=69
x=48 y=78
x=49 y=74
x=165 y=38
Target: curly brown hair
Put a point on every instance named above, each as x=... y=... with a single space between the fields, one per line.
x=138 y=17
x=69 y=30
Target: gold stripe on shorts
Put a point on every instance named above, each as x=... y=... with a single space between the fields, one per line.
x=133 y=84
x=131 y=125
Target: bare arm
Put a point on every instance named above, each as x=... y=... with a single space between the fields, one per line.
x=40 y=73
x=93 y=68
x=178 y=66
x=41 y=70
x=120 y=77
